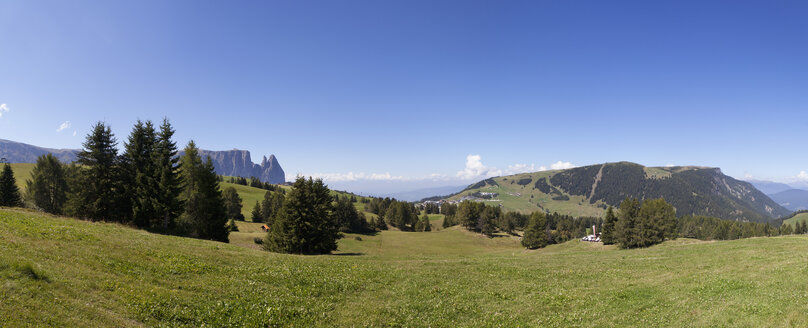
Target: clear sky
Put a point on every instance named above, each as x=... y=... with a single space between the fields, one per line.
x=409 y=90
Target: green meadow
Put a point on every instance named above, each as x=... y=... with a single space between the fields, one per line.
x=57 y=271
x=801 y=217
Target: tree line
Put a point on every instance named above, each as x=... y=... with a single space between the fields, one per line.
x=147 y=185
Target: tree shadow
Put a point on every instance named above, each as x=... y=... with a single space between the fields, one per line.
x=348 y=254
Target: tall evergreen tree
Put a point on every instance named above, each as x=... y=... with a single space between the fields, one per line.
x=536 y=231
x=100 y=191
x=232 y=202
x=607 y=234
x=257 y=215
x=626 y=225
x=9 y=192
x=205 y=215
x=271 y=205
x=168 y=206
x=47 y=189
x=304 y=225
x=140 y=174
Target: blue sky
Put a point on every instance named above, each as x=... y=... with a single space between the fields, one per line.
x=427 y=92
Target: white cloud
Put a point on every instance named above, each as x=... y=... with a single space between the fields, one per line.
x=524 y=168
x=3 y=108
x=476 y=169
x=561 y=165
x=63 y=126
x=748 y=176
x=74 y=133
x=802 y=176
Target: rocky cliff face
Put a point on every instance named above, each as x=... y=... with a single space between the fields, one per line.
x=238 y=163
x=17 y=152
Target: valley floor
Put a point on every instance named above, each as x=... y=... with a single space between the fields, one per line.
x=63 y=272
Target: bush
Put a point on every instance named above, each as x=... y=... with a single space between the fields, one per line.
x=358 y=238
x=259 y=240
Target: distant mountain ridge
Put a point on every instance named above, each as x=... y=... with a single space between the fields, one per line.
x=18 y=152
x=238 y=163
x=792 y=199
x=590 y=189
x=769 y=187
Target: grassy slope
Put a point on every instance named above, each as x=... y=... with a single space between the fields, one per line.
x=101 y=274
x=802 y=217
x=22 y=172
x=526 y=199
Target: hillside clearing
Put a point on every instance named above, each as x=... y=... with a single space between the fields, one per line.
x=58 y=271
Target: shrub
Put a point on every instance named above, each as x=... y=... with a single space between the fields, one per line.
x=259 y=240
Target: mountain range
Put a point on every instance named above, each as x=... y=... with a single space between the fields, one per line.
x=17 y=152
x=589 y=190
x=228 y=162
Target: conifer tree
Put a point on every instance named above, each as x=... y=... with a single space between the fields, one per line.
x=100 y=192
x=168 y=206
x=607 y=231
x=47 y=189
x=232 y=202
x=257 y=215
x=140 y=175
x=380 y=224
x=304 y=225
x=535 y=233
x=205 y=216
x=9 y=192
x=626 y=225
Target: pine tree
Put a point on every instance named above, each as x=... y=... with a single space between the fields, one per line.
x=168 y=206
x=535 y=232
x=140 y=175
x=100 y=193
x=232 y=202
x=626 y=225
x=47 y=189
x=380 y=224
x=304 y=225
x=257 y=215
x=205 y=216
x=9 y=192
x=607 y=231
x=425 y=224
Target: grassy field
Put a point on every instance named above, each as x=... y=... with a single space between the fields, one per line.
x=22 y=172
x=802 y=217
x=62 y=272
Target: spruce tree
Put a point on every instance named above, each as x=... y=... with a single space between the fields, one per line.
x=9 y=192
x=168 y=206
x=232 y=203
x=607 y=231
x=535 y=233
x=47 y=189
x=380 y=224
x=257 y=215
x=304 y=225
x=100 y=192
x=205 y=216
x=140 y=175
x=626 y=225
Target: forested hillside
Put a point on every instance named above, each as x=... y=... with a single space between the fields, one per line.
x=587 y=190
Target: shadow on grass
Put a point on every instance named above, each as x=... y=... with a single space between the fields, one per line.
x=348 y=254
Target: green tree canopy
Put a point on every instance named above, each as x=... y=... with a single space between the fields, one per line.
x=305 y=224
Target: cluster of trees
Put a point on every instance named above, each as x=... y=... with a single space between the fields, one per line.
x=147 y=185
x=266 y=210
x=709 y=228
x=253 y=182
x=9 y=192
x=389 y=211
x=639 y=224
